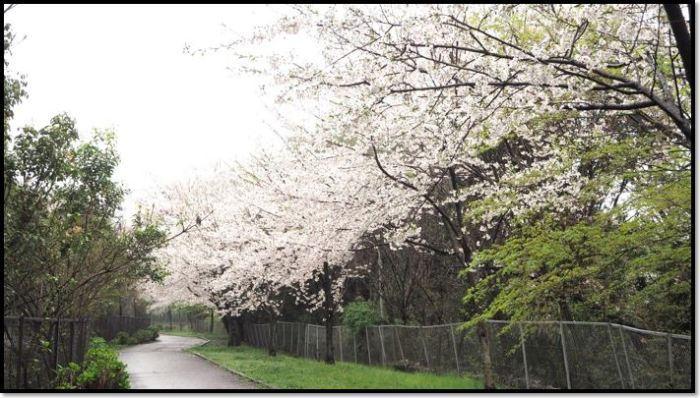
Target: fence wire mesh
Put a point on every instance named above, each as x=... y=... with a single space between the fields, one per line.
x=177 y=321
x=524 y=355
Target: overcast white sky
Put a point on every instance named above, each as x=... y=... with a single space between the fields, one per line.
x=123 y=67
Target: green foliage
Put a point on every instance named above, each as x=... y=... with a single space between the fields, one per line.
x=13 y=87
x=62 y=237
x=121 y=338
x=151 y=333
x=359 y=314
x=630 y=265
x=101 y=369
x=65 y=250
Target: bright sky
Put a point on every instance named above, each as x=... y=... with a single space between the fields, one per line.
x=123 y=67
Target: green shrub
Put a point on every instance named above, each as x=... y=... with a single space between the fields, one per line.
x=358 y=314
x=154 y=329
x=101 y=369
x=121 y=338
x=143 y=336
x=140 y=336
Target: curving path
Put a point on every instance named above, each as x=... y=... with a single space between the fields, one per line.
x=164 y=364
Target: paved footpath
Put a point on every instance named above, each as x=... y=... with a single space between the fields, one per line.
x=164 y=364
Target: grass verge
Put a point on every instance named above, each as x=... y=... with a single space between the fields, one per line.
x=283 y=371
x=219 y=338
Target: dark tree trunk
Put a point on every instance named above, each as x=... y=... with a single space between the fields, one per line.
x=328 y=305
x=234 y=328
x=481 y=327
x=211 y=321
x=230 y=325
x=485 y=342
x=683 y=39
x=271 y=350
x=224 y=320
x=565 y=310
x=240 y=328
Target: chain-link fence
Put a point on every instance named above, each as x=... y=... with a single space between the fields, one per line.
x=176 y=321
x=525 y=355
x=35 y=347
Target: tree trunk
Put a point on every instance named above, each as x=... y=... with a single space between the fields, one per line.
x=211 y=321
x=328 y=305
x=330 y=352
x=485 y=341
x=271 y=338
x=481 y=328
x=230 y=330
x=565 y=310
x=240 y=329
x=683 y=39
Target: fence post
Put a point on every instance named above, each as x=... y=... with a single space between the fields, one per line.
x=318 y=355
x=454 y=346
x=627 y=359
x=72 y=338
x=522 y=347
x=20 y=339
x=291 y=338
x=300 y=338
x=617 y=362
x=670 y=359
x=369 y=357
x=566 y=360
x=381 y=342
x=425 y=349
x=306 y=342
x=80 y=343
x=340 y=342
x=55 y=343
x=398 y=340
x=354 y=346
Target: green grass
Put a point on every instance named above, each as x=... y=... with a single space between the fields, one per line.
x=214 y=337
x=283 y=371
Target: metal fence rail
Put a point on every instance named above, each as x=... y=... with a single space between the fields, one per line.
x=529 y=354
x=35 y=347
x=109 y=326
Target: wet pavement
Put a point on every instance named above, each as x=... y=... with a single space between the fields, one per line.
x=164 y=364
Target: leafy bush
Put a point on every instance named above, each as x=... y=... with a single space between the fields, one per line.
x=121 y=338
x=143 y=335
x=140 y=336
x=101 y=369
x=154 y=329
x=359 y=314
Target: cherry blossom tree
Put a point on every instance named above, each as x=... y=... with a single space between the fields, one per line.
x=485 y=117
x=477 y=112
